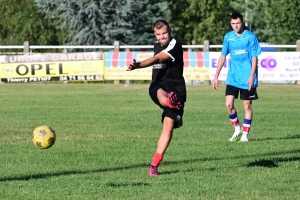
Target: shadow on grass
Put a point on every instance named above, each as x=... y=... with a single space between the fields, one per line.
x=271 y=163
x=72 y=172
x=263 y=163
x=275 y=138
x=126 y=184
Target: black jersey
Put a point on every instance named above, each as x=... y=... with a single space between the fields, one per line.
x=169 y=74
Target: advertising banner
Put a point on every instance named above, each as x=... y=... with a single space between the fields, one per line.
x=56 y=66
x=196 y=66
x=279 y=66
x=116 y=65
x=272 y=66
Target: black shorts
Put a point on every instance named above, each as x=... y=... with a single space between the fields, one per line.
x=174 y=114
x=244 y=94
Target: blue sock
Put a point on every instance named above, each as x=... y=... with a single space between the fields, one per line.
x=233 y=116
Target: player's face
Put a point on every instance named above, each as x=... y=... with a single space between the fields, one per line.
x=162 y=35
x=236 y=24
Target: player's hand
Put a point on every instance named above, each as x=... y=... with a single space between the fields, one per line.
x=215 y=84
x=250 y=82
x=133 y=65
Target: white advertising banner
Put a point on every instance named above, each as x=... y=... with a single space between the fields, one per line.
x=279 y=66
x=272 y=66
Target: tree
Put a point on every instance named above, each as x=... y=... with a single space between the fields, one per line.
x=282 y=24
x=253 y=12
x=145 y=13
x=199 y=20
x=20 y=21
x=273 y=21
x=91 y=22
x=102 y=22
x=182 y=27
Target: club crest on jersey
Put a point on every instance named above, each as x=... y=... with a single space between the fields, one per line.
x=159 y=66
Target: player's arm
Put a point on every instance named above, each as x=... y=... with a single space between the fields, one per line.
x=158 y=58
x=253 y=71
x=221 y=62
x=255 y=51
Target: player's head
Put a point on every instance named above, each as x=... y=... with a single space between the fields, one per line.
x=236 y=16
x=162 y=32
x=237 y=22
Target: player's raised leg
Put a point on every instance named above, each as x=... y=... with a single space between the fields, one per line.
x=168 y=99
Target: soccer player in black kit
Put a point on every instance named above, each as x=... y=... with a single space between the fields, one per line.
x=167 y=88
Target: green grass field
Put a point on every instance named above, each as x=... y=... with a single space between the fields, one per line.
x=107 y=134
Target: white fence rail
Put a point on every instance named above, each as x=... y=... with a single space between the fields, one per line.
x=123 y=46
x=28 y=49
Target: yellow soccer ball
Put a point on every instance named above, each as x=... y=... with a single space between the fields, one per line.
x=43 y=137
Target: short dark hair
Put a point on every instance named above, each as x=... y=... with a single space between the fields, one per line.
x=236 y=16
x=160 y=23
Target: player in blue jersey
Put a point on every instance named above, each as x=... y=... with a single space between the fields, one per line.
x=167 y=88
x=242 y=78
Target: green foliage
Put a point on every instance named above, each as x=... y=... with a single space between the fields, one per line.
x=102 y=22
x=275 y=21
x=107 y=134
x=145 y=14
x=182 y=27
x=253 y=12
x=199 y=20
x=282 y=24
x=20 y=21
x=250 y=9
x=91 y=22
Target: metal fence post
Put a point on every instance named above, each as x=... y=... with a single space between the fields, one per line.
x=298 y=45
x=127 y=82
x=189 y=50
x=206 y=49
x=116 y=48
x=206 y=45
x=26 y=48
x=298 y=49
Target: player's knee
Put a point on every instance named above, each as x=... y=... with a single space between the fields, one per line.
x=248 y=107
x=229 y=106
x=161 y=92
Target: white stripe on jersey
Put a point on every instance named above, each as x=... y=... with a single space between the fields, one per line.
x=169 y=47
